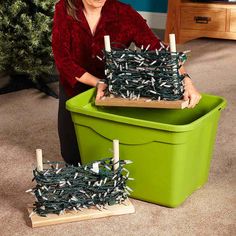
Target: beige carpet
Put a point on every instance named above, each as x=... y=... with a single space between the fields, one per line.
x=28 y=121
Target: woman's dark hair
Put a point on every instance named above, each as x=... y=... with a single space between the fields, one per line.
x=71 y=8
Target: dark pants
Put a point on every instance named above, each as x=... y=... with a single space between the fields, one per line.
x=66 y=131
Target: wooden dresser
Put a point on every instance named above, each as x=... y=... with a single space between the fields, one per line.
x=190 y=20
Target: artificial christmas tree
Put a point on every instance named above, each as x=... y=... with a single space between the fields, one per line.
x=25 y=41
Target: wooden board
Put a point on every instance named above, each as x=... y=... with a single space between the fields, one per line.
x=87 y=214
x=142 y=102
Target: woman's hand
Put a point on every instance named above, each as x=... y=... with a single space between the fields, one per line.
x=101 y=86
x=191 y=93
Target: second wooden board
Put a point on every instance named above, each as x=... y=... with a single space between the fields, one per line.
x=87 y=214
x=142 y=102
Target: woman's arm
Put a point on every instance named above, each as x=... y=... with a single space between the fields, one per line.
x=91 y=80
x=73 y=72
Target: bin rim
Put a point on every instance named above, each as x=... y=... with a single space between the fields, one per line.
x=138 y=122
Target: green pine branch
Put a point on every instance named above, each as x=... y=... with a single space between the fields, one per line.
x=25 y=37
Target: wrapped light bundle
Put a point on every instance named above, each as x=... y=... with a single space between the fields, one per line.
x=133 y=74
x=63 y=187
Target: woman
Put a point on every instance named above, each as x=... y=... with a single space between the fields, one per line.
x=77 y=39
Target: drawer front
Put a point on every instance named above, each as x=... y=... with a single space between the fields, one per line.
x=203 y=18
x=233 y=21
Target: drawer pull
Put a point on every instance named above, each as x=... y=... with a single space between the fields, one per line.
x=202 y=19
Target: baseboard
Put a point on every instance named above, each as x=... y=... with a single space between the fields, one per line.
x=154 y=20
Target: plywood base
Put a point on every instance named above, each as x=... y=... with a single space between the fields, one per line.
x=142 y=102
x=86 y=214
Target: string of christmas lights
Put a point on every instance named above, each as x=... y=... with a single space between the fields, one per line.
x=132 y=74
x=64 y=187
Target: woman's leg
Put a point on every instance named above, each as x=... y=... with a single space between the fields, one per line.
x=66 y=132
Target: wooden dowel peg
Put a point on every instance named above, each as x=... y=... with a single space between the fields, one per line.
x=39 y=156
x=116 y=154
x=107 y=43
x=172 y=43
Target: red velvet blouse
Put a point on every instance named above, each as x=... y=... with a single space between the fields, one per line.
x=75 y=49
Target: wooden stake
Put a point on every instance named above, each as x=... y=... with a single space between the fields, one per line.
x=172 y=43
x=39 y=156
x=107 y=43
x=116 y=154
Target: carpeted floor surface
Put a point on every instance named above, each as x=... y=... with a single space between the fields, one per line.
x=28 y=120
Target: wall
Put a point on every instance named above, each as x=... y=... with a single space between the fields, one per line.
x=148 y=5
x=154 y=11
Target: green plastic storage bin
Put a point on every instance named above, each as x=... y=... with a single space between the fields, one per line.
x=171 y=149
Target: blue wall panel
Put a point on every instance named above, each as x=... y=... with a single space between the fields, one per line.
x=148 y=5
